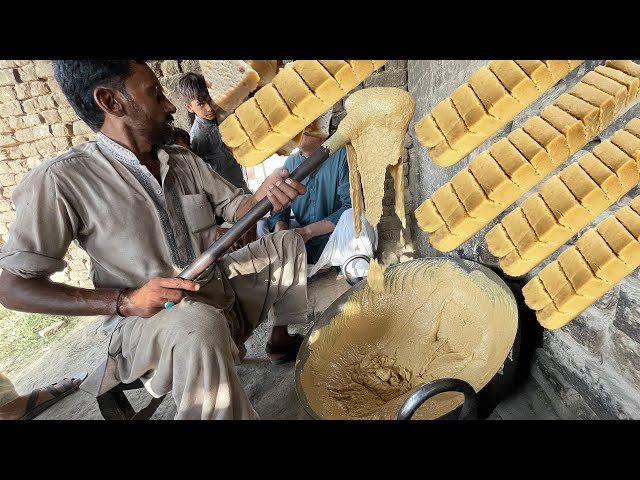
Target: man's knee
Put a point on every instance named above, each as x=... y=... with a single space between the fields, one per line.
x=196 y=322
x=289 y=239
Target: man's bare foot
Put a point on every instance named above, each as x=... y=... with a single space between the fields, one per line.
x=282 y=347
x=27 y=406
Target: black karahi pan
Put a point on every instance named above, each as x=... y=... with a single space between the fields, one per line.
x=476 y=404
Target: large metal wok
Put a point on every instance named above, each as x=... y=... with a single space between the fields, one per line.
x=475 y=403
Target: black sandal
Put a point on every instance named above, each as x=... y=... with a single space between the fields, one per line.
x=69 y=385
x=290 y=351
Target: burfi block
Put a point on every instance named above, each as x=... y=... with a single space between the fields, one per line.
x=473 y=112
x=535 y=153
x=517 y=82
x=584 y=111
x=603 y=176
x=514 y=164
x=564 y=205
x=623 y=244
x=550 y=318
x=543 y=222
x=619 y=163
x=453 y=127
x=588 y=193
x=495 y=98
x=299 y=98
x=444 y=241
x=514 y=265
x=627 y=66
x=498 y=241
x=428 y=217
x=535 y=295
x=527 y=243
x=473 y=197
x=553 y=141
x=613 y=88
x=564 y=297
x=630 y=83
x=362 y=68
x=538 y=72
x=495 y=183
x=452 y=210
x=580 y=275
x=233 y=135
x=427 y=132
x=558 y=68
x=319 y=80
x=442 y=154
x=628 y=143
x=277 y=112
x=605 y=102
x=247 y=155
x=631 y=221
x=571 y=127
x=601 y=259
x=342 y=72
x=633 y=127
x=257 y=127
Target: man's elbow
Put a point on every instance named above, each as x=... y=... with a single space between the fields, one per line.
x=7 y=291
x=5 y=296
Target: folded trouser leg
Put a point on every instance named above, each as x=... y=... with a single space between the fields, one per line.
x=186 y=350
x=269 y=277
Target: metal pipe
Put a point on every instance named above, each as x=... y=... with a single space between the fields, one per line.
x=242 y=226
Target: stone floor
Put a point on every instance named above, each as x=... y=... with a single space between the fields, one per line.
x=271 y=388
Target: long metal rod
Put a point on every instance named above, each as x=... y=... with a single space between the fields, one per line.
x=242 y=226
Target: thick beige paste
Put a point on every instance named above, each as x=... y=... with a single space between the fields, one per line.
x=432 y=320
x=375 y=276
x=376 y=124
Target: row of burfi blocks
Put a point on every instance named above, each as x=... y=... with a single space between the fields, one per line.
x=601 y=257
x=567 y=202
x=518 y=162
x=477 y=109
x=297 y=95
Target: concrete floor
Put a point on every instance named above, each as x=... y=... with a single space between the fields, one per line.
x=271 y=388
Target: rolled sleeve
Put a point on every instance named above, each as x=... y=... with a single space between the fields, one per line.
x=44 y=227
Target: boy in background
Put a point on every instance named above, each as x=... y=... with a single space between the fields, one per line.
x=206 y=141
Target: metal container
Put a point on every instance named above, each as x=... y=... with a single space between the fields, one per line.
x=477 y=404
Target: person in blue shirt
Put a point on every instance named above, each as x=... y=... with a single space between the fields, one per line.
x=326 y=205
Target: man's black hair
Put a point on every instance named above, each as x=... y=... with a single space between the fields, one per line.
x=79 y=78
x=193 y=87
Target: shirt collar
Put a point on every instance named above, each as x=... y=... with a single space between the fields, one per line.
x=204 y=121
x=123 y=154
